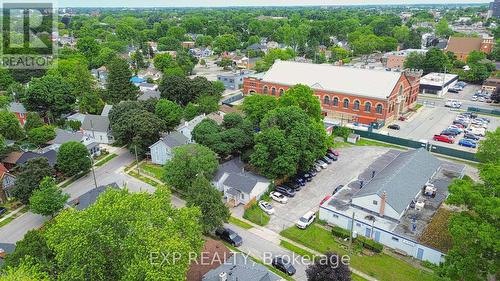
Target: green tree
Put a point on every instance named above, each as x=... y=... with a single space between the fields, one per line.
x=138 y=59
x=443 y=29
x=188 y=162
x=24 y=272
x=5 y=79
x=91 y=102
x=10 y=127
x=207 y=104
x=274 y=54
x=202 y=194
x=41 y=135
x=130 y=240
x=29 y=178
x=73 y=158
x=74 y=71
x=488 y=150
x=51 y=94
x=256 y=106
x=48 y=199
x=303 y=97
x=33 y=120
x=164 y=61
x=89 y=47
x=225 y=43
x=74 y=125
x=339 y=53
x=170 y=112
x=118 y=85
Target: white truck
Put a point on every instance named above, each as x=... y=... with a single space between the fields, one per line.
x=453 y=103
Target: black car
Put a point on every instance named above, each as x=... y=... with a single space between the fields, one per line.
x=296 y=187
x=300 y=181
x=306 y=176
x=332 y=156
x=3 y=210
x=283 y=265
x=229 y=236
x=459 y=122
x=471 y=136
x=327 y=160
x=449 y=133
x=394 y=127
x=312 y=172
x=337 y=189
x=287 y=191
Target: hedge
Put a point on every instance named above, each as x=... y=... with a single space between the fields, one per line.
x=371 y=244
x=340 y=232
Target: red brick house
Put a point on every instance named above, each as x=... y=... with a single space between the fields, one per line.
x=346 y=93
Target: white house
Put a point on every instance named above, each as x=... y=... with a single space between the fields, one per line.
x=239 y=186
x=147 y=87
x=98 y=127
x=187 y=127
x=390 y=207
x=63 y=136
x=162 y=150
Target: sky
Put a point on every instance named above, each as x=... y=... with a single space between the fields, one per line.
x=225 y=3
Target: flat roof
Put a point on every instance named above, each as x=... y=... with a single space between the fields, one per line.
x=437 y=79
x=340 y=79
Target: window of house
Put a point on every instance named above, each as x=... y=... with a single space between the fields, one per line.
x=356 y=104
x=266 y=90
x=368 y=107
x=346 y=103
x=281 y=92
x=242 y=196
x=379 y=109
x=375 y=202
x=273 y=91
x=335 y=215
x=358 y=224
x=395 y=238
x=326 y=100
x=335 y=101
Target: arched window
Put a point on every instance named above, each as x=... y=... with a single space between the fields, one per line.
x=273 y=91
x=335 y=101
x=326 y=100
x=266 y=90
x=346 y=103
x=251 y=92
x=379 y=109
x=281 y=92
x=368 y=106
x=356 y=104
x=400 y=89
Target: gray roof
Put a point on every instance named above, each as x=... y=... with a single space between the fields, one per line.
x=339 y=79
x=148 y=85
x=175 y=139
x=241 y=268
x=17 y=107
x=148 y=94
x=89 y=198
x=107 y=108
x=96 y=123
x=51 y=156
x=8 y=248
x=63 y=136
x=238 y=178
x=241 y=182
x=403 y=178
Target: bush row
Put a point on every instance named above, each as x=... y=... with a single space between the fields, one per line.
x=365 y=242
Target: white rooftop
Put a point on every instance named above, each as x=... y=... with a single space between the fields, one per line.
x=437 y=79
x=345 y=80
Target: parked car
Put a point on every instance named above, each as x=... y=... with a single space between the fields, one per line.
x=394 y=127
x=449 y=133
x=284 y=265
x=321 y=164
x=292 y=185
x=334 y=152
x=402 y=118
x=471 y=136
x=458 y=125
x=306 y=176
x=483 y=119
x=332 y=156
x=285 y=191
x=461 y=122
x=326 y=160
x=229 y=236
x=455 y=128
x=278 y=197
x=317 y=168
x=306 y=220
x=443 y=138
x=266 y=207
x=473 y=98
x=453 y=90
x=476 y=131
x=313 y=173
x=481 y=99
x=3 y=210
x=337 y=189
x=299 y=180
x=467 y=143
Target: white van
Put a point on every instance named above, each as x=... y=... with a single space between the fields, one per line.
x=306 y=220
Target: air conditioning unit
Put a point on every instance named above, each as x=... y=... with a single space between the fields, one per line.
x=419 y=206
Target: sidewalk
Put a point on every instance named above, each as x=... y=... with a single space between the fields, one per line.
x=276 y=238
x=12 y=213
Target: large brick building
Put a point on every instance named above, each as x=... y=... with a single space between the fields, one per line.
x=350 y=94
x=463 y=46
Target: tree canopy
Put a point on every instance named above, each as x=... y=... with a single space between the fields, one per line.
x=48 y=199
x=29 y=177
x=73 y=158
x=118 y=84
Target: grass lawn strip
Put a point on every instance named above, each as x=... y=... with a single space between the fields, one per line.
x=105 y=160
x=240 y=223
x=256 y=215
x=153 y=170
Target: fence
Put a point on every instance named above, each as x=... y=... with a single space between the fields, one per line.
x=484 y=110
x=416 y=144
x=232 y=99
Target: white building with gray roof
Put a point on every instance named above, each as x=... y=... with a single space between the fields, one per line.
x=162 y=150
x=240 y=268
x=98 y=127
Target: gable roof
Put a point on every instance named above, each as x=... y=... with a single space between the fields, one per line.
x=241 y=268
x=17 y=107
x=107 y=108
x=173 y=139
x=96 y=123
x=213 y=251
x=12 y=157
x=63 y=136
x=464 y=45
x=51 y=156
x=148 y=94
x=237 y=177
x=241 y=182
x=90 y=197
x=403 y=178
x=347 y=80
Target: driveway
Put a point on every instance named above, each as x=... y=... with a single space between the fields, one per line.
x=351 y=163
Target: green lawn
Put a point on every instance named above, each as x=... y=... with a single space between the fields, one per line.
x=380 y=266
x=418 y=106
x=153 y=170
x=105 y=160
x=7 y=221
x=256 y=215
x=239 y=223
x=369 y=142
x=298 y=250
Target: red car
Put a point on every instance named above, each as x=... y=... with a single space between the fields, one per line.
x=444 y=138
x=334 y=152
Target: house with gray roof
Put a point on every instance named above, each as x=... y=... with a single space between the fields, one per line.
x=240 y=268
x=64 y=136
x=162 y=150
x=150 y=95
x=5 y=249
x=19 y=110
x=239 y=185
x=90 y=197
x=98 y=127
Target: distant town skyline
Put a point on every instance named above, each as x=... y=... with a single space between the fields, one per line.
x=229 y=3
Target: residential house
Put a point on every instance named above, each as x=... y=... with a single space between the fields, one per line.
x=80 y=117
x=67 y=40
x=5 y=249
x=200 y=53
x=149 y=95
x=16 y=158
x=162 y=150
x=101 y=74
x=357 y=95
x=98 y=127
x=7 y=181
x=151 y=72
x=240 y=268
x=64 y=136
x=187 y=127
x=396 y=59
x=238 y=185
x=215 y=253
x=462 y=46
x=143 y=87
x=234 y=81
x=257 y=48
x=91 y=196
x=395 y=203
x=106 y=110
x=19 y=110
x=187 y=44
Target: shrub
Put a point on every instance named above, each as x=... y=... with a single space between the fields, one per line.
x=340 y=232
x=371 y=244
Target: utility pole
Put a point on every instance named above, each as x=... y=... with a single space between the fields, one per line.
x=137 y=160
x=352 y=231
x=93 y=171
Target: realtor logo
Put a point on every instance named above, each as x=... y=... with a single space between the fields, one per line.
x=29 y=32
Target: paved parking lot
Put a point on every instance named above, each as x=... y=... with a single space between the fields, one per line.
x=351 y=163
x=430 y=121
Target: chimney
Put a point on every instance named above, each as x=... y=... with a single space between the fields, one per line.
x=382 y=204
x=223 y=276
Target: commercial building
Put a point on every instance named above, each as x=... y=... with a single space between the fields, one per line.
x=491 y=85
x=349 y=94
x=396 y=60
x=233 y=81
x=463 y=46
x=437 y=83
x=394 y=200
x=494 y=10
